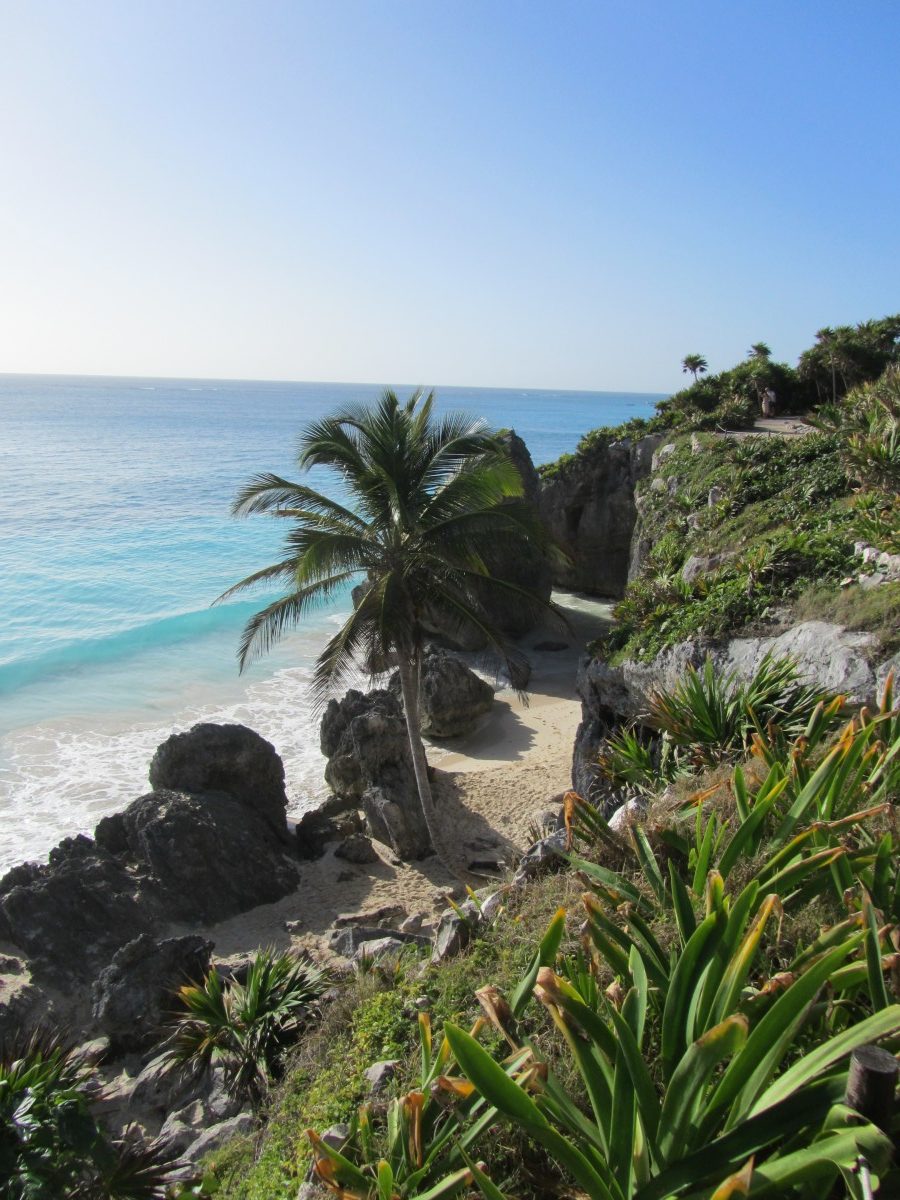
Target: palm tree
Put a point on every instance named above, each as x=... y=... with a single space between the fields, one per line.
x=695 y=363
x=760 y=351
x=430 y=503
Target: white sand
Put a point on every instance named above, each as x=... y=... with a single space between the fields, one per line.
x=490 y=786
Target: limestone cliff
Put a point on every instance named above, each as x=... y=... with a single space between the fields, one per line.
x=587 y=504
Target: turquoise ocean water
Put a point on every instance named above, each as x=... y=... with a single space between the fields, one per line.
x=114 y=539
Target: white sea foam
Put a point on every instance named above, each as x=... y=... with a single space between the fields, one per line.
x=60 y=777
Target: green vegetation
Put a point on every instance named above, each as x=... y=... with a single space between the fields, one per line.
x=246 y=1026
x=430 y=502
x=840 y=360
x=738 y=944
x=766 y=517
x=50 y=1144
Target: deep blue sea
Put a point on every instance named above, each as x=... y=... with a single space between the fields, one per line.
x=115 y=536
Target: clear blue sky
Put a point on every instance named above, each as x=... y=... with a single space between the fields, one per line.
x=528 y=194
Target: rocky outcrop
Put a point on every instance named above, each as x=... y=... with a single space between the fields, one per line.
x=224 y=758
x=588 y=507
x=524 y=565
x=832 y=657
x=132 y=997
x=171 y=856
x=365 y=740
x=451 y=696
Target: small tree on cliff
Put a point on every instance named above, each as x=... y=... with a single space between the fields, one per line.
x=428 y=501
x=695 y=363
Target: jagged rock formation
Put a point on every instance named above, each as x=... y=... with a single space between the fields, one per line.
x=170 y=856
x=132 y=997
x=365 y=740
x=835 y=659
x=588 y=508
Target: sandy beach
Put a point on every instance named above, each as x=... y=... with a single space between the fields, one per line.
x=490 y=786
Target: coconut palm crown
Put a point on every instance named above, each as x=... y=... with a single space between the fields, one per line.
x=695 y=363
x=430 y=502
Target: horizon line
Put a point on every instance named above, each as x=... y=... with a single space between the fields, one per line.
x=326 y=383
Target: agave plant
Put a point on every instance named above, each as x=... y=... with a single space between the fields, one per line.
x=422 y=1148
x=712 y=715
x=694 y=1071
x=50 y=1144
x=245 y=1025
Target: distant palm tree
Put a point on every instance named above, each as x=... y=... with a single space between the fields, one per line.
x=429 y=502
x=761 y=351
x=695 y=363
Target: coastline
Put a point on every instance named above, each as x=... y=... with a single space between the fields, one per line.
x=491 y=785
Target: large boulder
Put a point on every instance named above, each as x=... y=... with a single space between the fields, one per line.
x=210 y=855
x=588 y=507
x=365 y=740
x=170 y=856
x=72 y=914
x=451 y=696
x=224 y=758
x=132 y=997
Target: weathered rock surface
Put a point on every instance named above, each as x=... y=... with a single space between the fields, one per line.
x=589 y=509
x=365 y=740
x=132 y=997
x=216 y=1136
x=525 y=566
x=224 y=758
x=835 y=659
x=451 y=696
x=170 y=856
x=357 y=848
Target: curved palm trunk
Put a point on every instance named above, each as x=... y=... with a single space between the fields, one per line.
x=409 y=687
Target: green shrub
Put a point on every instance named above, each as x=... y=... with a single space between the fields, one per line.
x=247 y=1026
x=50 y=1144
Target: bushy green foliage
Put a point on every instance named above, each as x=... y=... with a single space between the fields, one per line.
x=783 y=521
x=246 y=1025
x=50 y=1144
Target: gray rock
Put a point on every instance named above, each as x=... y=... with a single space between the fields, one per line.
x=451 y=696
x=413 y=923
x=492 y=904
x=543 y=856
x=699 y=564
x=216 y=1136
x=588 y=507
x=380 y=948
x=632 y=810
x=210 y=856
x=92 y=1052
x=357 y=848
x=662 y=454
x=133 y=996
x=380 y=1074
x=827 y=655
x=176 y=1135
x=216 y=1100
x=716 y=496
x=346 y=941
x=397 y=822
x=160 y=1088
x=365 y=740
x=224 y=758
x=385 y=914
x=455 y=931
